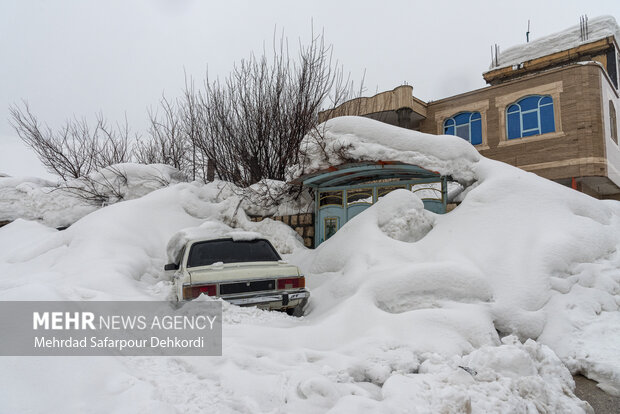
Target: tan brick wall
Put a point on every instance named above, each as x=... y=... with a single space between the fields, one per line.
x=578 y=149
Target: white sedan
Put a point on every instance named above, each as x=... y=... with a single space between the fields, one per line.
x=242 y=272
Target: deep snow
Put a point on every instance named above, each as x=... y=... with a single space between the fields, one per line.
x=481 y=308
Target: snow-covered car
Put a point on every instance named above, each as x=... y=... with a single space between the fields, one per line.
x=241 y=271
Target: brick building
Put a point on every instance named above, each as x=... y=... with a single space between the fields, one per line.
x=550 y=108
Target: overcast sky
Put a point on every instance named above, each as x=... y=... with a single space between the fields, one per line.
x=80 y=57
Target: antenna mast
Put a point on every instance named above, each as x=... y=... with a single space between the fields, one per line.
x=527 y=34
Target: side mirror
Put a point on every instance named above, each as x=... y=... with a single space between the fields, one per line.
x=171 y=266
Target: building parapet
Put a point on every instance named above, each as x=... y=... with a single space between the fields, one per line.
x=397 y=99
x=594 y=51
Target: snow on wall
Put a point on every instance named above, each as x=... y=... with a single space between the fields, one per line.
x=40 y=200
x=62 y=204
x=599 y=28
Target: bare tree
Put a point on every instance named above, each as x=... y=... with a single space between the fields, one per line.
x=113 y=144
x=166 y=143
x=193 y=129
x=255 y=119
x=75 y=149
x=69 y=152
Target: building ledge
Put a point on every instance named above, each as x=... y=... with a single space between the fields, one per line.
x=398 y=102
x=532 y=138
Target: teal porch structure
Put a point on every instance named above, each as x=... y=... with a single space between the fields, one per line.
x=344 y=191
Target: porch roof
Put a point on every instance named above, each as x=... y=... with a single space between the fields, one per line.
x=355 y=173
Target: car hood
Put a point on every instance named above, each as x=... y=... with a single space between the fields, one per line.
x=241 y=271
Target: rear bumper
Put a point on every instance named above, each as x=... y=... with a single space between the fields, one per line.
x=284 y=300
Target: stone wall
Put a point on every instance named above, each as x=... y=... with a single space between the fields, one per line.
x=303 y=224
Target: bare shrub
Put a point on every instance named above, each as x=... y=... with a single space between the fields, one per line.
x=76 y=148
x=167 y=141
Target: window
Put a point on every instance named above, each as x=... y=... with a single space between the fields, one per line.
x=428 y=191
x=330 y=198
x=532 y=115
x=359 y=196
x=331 y=226
x=382 y=191
x=230 y=251
x=467 y=125
x=613 y=122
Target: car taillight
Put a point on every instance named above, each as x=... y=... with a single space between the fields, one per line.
x=292 y=283
x=191 y=292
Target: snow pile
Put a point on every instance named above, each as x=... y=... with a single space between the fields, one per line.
x=549 y=272
x=405 y=218
x=62 y=204
x=355 y=139
x=405 y=310
x=598 y=28
x=40 y=200
x=476 y=382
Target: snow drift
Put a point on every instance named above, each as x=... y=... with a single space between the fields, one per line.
x=479 y=310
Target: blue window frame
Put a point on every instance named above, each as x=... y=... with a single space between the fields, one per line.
x=467 y=125
x=532 y=115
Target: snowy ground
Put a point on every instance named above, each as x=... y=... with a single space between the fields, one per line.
x=481 y=309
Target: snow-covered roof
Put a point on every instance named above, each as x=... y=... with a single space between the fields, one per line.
x=349 y=139
x=598 y=28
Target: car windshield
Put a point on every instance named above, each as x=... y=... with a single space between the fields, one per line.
x=229 y=251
